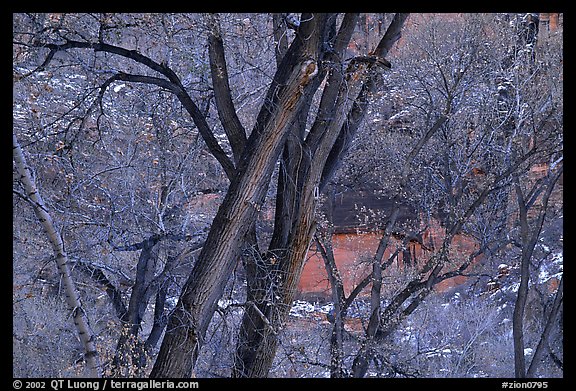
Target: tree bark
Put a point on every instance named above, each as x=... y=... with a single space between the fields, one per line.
x=132 y=319
x=529 y=239
x=291 y=241
x=72 y=296
x=187 y=325
x=324 y=245
x=520 y=304
x=222 y=92
x=542 y=343
x=279 y=272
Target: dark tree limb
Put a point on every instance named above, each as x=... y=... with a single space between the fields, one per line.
x=338 y=299
x=111 y=290
x=280 y=31
x=358 y=110
x=171 y=83
x=222 y=91
x=188 y=324
x=543 y=342
x=529 y=234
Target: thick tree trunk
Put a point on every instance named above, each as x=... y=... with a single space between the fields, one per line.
x=130 y=350
x=339 y=103
x=72 y=296
x=188 y=323
x=260 y=338
x=292 y=255
x=518 y=317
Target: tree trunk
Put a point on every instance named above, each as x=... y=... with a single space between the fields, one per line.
x=542 y=343
x=72 y=296
x=324 y=246
x=205 y=285
x=130 y=351
x=339 y=103
x=529 y=239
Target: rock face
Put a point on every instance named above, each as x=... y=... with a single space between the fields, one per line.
x=353 y=253
x=358 y=218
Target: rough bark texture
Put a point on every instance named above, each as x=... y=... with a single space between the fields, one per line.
x=188 y=323
x=275 y=280
x=342 y=100
x=72 y=296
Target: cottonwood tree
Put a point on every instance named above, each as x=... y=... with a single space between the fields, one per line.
x=468 y=200
x=250 y=95
x=316 y=49
x=284 y=262
x=124 y=178
x=308 y=162
x=245 y=195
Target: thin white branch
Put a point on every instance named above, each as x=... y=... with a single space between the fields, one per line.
x=85 y=334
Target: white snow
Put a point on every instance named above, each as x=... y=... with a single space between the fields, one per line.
x=225 y=303
x=302 y=308
x=557 y=265
x=399 y=115
x=171 y=301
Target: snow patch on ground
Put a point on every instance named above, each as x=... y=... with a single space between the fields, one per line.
x=302 y=308
x=119 y=87
x=554 y=269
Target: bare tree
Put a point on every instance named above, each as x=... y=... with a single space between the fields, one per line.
x=467 y=200
x=138 y=121
x=529 y=234
x=308 y=162
x=125 y=178
x=32 y=195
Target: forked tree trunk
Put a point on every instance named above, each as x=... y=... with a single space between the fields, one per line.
x=321 y=149
x=206 y=283
x=71 y=293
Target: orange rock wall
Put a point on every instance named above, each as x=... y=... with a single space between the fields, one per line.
x=354 y=252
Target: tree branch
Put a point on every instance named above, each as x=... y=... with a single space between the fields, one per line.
x=85 y=334
x=103 y=47
x=222 y=92
x=172 y=84
x=111 y=290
